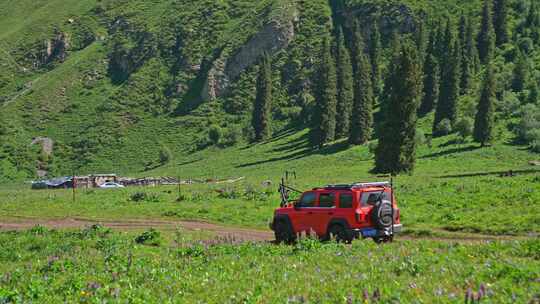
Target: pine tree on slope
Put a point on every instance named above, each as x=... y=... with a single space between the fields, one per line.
x=449 y=87
x=345 y=87
x=486 y=37
x=484 y=122
x=396 y=151
x=263 y=101
x=323 y=124
x=500 y=21
x=362 y=112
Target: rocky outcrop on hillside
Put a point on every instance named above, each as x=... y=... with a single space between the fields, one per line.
x=56 y=48
x=273 y=37
x=390 y=17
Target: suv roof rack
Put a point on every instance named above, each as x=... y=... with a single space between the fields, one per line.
x=357 y=185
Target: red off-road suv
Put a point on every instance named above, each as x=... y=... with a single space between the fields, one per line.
x=343 y=212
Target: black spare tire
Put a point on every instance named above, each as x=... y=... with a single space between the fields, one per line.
x=382 y=214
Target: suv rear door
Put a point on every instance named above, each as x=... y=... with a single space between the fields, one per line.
x=368 y=199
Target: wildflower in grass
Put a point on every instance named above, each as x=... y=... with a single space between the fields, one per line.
x=469 y=296
x=365 y=295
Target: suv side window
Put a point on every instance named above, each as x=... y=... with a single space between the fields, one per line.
x=327 y=200
x=371 y=198
x=345 y=200
x=307 y=200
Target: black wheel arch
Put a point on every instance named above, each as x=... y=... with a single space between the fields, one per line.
x=282 y=218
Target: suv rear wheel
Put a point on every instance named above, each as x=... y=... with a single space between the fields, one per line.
x=339 y=233
x=284 y=233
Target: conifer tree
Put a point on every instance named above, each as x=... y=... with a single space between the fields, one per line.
x=486 y=37
x=421 y=43
x=469 y=58
x=375 y=49
x=396 y=151
x=520 y=74
x=263 y=100
x=431 y=85
x=462 y=29
x=484 y=122
x=345 y=87
x=440 y=44
x=500 y=21
x=449 y=87
x=362 y=112
x=323 y=124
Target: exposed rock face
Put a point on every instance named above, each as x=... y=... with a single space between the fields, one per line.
x=389 y=17
x=272 y=38
x=46 y=143
x=56 y=48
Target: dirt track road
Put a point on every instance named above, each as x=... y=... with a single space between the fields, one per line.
x=242 y=234
x=76 y=223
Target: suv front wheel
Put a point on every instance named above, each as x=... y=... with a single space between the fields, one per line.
x=284 y=233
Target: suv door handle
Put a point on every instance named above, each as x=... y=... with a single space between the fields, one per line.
x=330 y=213
x=311 y=212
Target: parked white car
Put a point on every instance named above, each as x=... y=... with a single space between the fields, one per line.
x=111 y=185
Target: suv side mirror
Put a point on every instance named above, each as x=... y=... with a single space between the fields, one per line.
x=296 y=205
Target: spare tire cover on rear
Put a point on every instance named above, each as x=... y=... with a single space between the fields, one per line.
x=382 y=214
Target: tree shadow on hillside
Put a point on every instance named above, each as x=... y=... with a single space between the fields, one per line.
x=451 y=151
x=304 y=152
x=280 y=135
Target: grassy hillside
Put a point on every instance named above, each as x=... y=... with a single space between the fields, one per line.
x=125 y=95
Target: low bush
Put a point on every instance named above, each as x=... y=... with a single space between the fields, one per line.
x=143 y=196
x=150 y=237
x=528 y=128
x=444 y=127
x=464 y=127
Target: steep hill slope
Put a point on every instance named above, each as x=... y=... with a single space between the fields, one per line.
x=135 y=86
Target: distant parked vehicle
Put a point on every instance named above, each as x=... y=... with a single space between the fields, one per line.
x=111 y=185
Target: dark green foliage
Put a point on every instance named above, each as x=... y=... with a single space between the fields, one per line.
x=465 y=127
x=150 y=237
x=484 y=121
x=420 y=37
x=449 y=88
x=362 y=112
x=443 y=128
x=520 y=74
x=431 y=85
x=263 y=101
x=323 y=124
x=214 y=134
x=375 y=49
x=500 y=21
x=345 y=87
x=486 y=36
x=130 y=47
x=468 y=54
x=396 y=151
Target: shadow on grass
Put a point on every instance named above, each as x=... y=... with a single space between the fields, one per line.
x=277 y=137
x=451 y=151
x=306 y=151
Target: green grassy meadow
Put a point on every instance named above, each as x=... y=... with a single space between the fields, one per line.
x=96 y=265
